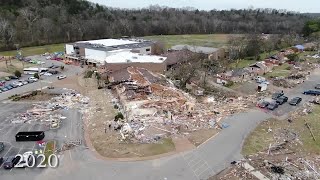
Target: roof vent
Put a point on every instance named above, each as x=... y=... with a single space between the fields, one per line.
x=134 y=57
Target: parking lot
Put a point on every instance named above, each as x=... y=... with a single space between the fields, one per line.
x=309 y=84
x=70 y=130
x=69 y=70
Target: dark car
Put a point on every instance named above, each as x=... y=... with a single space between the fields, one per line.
x=272 y=106
x=53 y=72
x=10 y=162
x=282 y=99
x=1 y=146
x=312 y=92
x=263 y=104
x=4 y=89
x=277 y=95
x=13 y=77
x=51 y=66
x=1 y=160
x=8 y=87
x=317 y=86
x=55 y=67
x=295 y=101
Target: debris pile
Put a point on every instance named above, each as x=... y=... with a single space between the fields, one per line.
x=153 y=109
x=47 y=112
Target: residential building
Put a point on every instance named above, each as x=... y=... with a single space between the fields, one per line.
x=213 y=53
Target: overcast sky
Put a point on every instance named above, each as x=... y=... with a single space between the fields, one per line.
x=291 y=5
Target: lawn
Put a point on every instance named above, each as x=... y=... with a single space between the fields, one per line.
x=209 y=40
x=260 y=138
x=13 y=65
x=49 y=149
x=242 y=63
x=29 y=51
x=279 y=71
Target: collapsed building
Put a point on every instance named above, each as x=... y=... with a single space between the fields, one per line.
x=153 y=107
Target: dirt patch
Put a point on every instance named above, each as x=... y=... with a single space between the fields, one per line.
x=199 y=137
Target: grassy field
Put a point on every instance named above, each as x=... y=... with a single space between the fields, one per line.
x=29 y=51
x=242 y=63
x=279 y=71
x=209 y=40
x=260 y=138
x=13 y=65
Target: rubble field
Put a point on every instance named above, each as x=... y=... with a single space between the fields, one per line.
x=287 y=148
x=133 y=117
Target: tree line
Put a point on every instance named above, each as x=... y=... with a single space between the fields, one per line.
x=38 y=22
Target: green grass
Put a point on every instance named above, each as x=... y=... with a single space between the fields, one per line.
x=154 y=149
x=266 y=54
x=242 y=63
x=260 y=139
x=279 y=71
x=49 y=149
x=29 y=51
x=209 y=40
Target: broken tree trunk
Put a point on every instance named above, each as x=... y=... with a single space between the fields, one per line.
x=308 y=126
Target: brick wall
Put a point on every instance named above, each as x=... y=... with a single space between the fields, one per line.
x=155 y=67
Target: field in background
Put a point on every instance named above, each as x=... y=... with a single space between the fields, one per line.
x=209 y=40
x=29 y=51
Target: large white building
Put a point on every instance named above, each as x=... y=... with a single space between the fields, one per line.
x=96 y=51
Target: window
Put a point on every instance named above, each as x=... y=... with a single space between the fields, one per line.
x=148 y=49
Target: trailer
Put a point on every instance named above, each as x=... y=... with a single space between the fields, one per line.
x=30 y=136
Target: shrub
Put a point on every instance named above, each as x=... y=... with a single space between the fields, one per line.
x=36 y=75
x=229 y=84
x=118 y=116
x=88 y=74
x=17 y=73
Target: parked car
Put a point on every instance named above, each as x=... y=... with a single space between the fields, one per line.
x=282 y=99
x=277 y=95
x=13 y=85
x=1 y=146
x=61 y=77
x=272 y=105
x=17 y=83
x=317 y=86
x=9 y=87
x=33 y=79
x=4 y=89
x=55 y=67
x=51 y=66
x=53 y=72
x=2 y=83
x=13 y=77
x=1 y=160
x=312 y=92
x=24 y=82
x=10 y=162
x=7 y=78
x=47 y=74
x=263 y=104
x=295 y=101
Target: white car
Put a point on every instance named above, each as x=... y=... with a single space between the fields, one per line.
x=47 y=74
x=33 y=79
x=23 y=82
x=61 y=77
x=17 y=83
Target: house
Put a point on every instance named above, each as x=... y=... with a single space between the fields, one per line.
x=260 y=68
x=176 y=57
x=212 y=53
